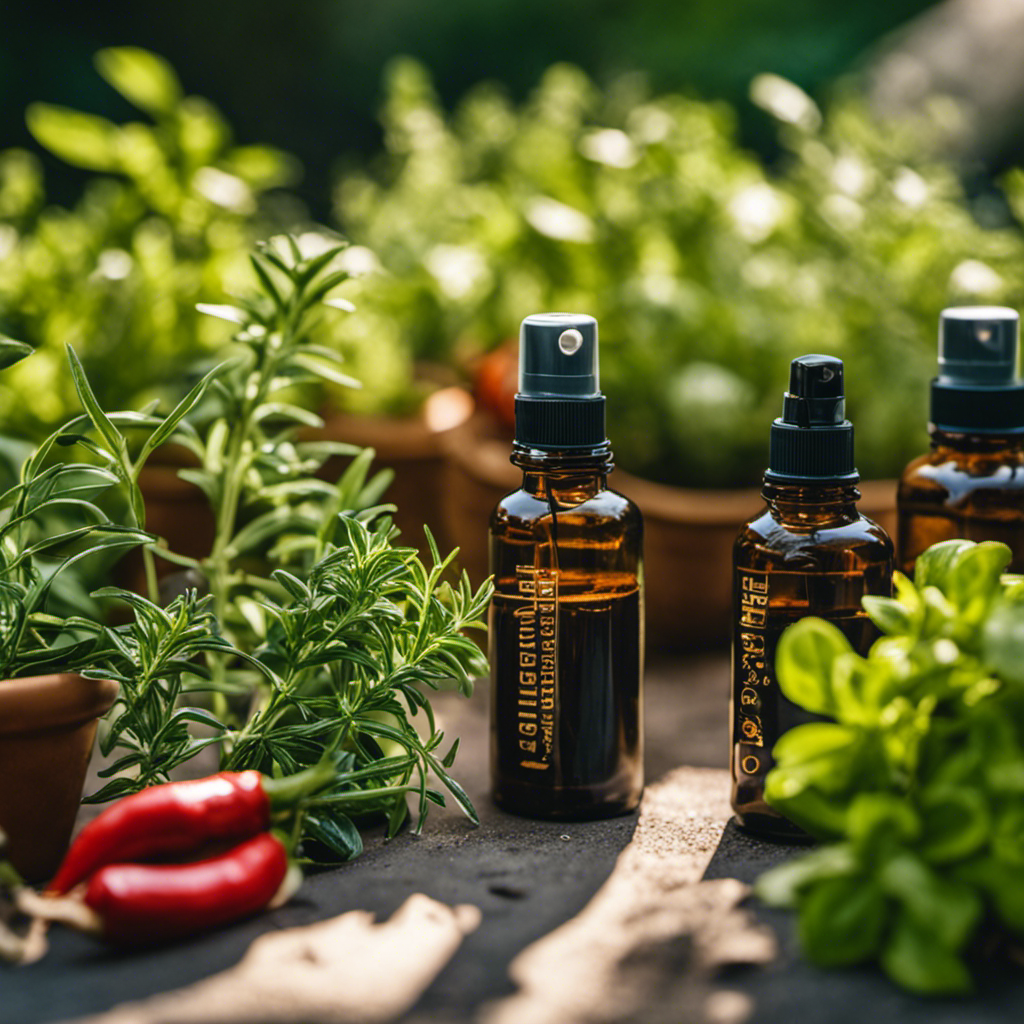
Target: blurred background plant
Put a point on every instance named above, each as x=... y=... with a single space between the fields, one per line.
x=707 y=272
x=164 y=221
x=712 y=241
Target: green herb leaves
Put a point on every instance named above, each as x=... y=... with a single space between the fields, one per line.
x=320 y=632
x=918 y=781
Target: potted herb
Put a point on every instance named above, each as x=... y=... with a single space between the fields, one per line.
x=914 y=787
x=53 y=520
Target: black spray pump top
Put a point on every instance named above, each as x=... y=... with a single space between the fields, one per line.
x=559 y=404
x=978 y=389
x=812 y=442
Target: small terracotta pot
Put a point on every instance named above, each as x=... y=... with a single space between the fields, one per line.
x=47 y=728
x=688 y=533
x=414 y=448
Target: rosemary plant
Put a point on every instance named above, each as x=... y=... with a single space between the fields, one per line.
x=319 y=632
x=53 y=519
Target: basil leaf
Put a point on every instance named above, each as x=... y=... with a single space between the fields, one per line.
x=913 y=958
x=842 y=921
x=933 y=567
x=1002 y=641
x=956 y=823
x=803 y=663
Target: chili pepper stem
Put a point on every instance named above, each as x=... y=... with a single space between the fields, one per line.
x=291 y=789
x=64 y=909
x=289 y=886
x=9 y=877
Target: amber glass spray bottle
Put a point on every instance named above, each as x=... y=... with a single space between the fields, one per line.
x=971 y=483
x=809 y=553
x=566 y=620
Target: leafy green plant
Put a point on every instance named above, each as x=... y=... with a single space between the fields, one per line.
x=707 y=271
x=53 y=519
x=318 y=632
x=915 y=787
x=167 y=220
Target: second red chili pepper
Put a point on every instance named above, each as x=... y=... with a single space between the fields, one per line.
x=180 y=817
x=154 y=902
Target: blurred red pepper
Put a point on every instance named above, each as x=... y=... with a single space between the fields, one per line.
x=496 y=381
x=182 y=817
x=153 y=902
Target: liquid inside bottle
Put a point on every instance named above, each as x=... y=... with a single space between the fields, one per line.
x=809 y=553
x=566 y=634
x=566 y=619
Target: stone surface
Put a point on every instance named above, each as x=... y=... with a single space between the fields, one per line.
x=609 y=921
x=346 y=970
x=526 y=877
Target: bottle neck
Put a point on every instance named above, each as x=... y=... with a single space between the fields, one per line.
x=569 y=476
x=975 y=444
x=811 y=504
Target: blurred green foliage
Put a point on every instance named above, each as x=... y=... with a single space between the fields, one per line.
x=307 y=74
x=707 y=273
x=167 y=222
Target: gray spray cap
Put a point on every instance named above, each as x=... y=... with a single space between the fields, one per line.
x=559 y=404
x=978 y=345
x=558 y=356
x=977 y=389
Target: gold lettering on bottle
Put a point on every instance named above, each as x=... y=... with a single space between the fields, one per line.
x=538 y=664
x=752 y=670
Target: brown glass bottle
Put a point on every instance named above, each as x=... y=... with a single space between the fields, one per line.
x=809 y=553
x=566 y=620
x=968 y=485
x=566 y=633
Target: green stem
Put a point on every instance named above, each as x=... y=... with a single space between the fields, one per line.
x=291 y=789
x=362 y=795
x=152 y=587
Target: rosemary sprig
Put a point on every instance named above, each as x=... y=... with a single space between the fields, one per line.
x=319 y=631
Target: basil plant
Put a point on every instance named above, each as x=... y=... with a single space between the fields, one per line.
x=916 y=786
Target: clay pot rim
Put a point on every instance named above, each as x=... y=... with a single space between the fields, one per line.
x=57 y=700
x=486 y=459
x=394 y=437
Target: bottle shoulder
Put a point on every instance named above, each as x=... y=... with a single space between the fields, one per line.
x=957 y=472
x=607 y=505
x=767 y=537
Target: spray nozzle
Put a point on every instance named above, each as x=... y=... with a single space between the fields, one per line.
x=558 y=356
x=978 y=345
x=813 y=440
x=815 y=397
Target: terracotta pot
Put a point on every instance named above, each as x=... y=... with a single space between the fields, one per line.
x=47 y=728
x=688 y=533
x=414 y=448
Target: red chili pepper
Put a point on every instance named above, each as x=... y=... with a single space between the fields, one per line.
x=153 y=902
x=181 y=817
